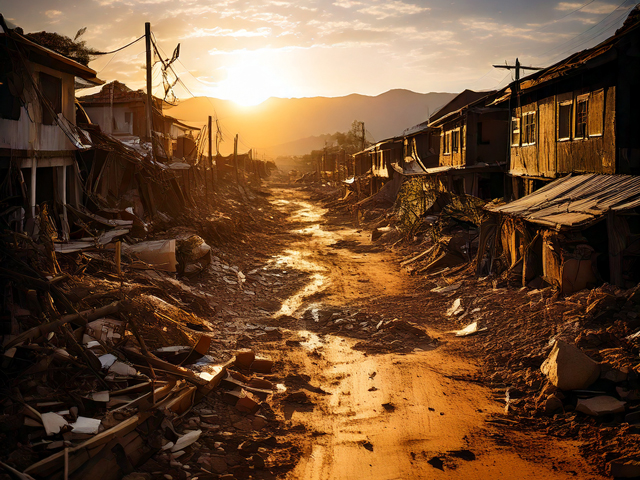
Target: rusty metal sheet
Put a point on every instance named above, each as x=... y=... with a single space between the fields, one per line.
x=575 y=200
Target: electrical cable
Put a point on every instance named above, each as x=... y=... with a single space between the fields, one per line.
x=562 y=45
x=121 y=48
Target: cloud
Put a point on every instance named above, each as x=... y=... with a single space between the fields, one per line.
x=226 y=32
x=597 y=8
x=347 y=3
x=394 y=8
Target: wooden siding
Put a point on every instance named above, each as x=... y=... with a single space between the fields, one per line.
x=549 y=156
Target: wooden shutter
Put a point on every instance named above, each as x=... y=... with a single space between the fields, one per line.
x=596 y=113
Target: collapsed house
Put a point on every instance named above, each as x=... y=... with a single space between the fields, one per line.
x=573 y=223
x=38 y=134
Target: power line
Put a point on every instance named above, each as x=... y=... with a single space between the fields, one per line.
x=583 y=33
x=118 y=49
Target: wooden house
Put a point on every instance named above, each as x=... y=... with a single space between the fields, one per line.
x=472 y=147
x=38 y=133
x=577 y=116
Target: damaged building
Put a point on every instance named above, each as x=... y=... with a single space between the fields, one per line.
x=38 y=134
x=574 y=150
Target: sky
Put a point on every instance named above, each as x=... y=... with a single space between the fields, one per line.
x=247 y=51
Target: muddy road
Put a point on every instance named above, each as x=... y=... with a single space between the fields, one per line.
x=380 y=406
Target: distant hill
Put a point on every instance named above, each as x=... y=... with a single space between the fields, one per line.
x=294 y=126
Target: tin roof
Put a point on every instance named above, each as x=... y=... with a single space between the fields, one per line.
x=575 y=200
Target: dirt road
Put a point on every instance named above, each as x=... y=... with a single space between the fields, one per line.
x=379 y=414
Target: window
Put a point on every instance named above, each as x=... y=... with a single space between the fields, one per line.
x=480 y=136
x=128 y=117
x=515 y=132
x=51 y=88
x=529 y=128
x=455 y=141
x=10 y=87
x=564 y=120
x=596 y=113
x=446 y=148
x=582 y=107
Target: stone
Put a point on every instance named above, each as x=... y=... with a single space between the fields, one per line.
x=217 y=464
x=625 y=467
x=601 y=405
x=244 y=425
x=551 y=404
x=568 y=368
x=245 y=357
x=259 y=422
x=614 y=375
x=137 y=476
x=262 y=365
x=633 y=417
x=248 y=403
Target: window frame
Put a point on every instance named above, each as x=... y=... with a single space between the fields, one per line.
x=446 y=148
x=563 y=105
x=528 y=129
x=584 y=135
x=54 y=103
x=516 y=121
x=455 y=141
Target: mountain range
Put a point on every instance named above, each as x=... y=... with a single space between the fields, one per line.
x=295 y=126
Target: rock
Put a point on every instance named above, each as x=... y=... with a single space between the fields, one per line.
x=633 y=417
x=217 y=464
x=297 y=397
x=137 y=476
x=247 y=403
x=259 y=422
x=568 y=368
x=601 y=405
x=262 y=365
x=614 y=375
x=258 y=462
x=244 y=425
x=245 y=357
x=551 y=404
x=625 y=467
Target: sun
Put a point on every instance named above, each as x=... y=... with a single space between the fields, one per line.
x=250 y=81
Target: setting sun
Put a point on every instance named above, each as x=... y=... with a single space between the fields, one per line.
x=252 y=80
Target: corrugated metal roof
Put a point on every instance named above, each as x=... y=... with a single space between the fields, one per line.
x=575 y=200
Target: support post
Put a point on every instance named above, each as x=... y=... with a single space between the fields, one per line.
x=210 y=151
x=149 y=109
x=235 y=158
x=34 y=166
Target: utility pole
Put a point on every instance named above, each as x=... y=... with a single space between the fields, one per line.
x=218 y=159
x=149 y=109
x=517 y=67
x=210 y=152
x=235 y=158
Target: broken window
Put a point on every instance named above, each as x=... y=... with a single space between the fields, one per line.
x=446 y=148
x=9 y=87
x=515 y=132
x=529 y=128
x=51 y=88
x=455 y=141
x=564 y=120
x=582 y=107
x=596 y=114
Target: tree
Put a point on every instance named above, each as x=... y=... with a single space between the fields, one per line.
x=352 y=141
x=74 y=49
